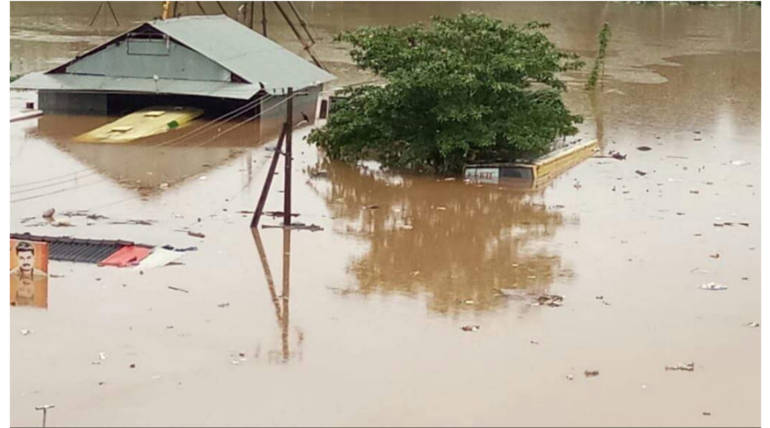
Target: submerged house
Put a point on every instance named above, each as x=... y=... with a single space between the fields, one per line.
x=209 y=62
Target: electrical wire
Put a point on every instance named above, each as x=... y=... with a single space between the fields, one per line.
x=208 y=125
x=286 y=99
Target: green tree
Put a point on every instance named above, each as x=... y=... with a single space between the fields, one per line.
x=466 y=89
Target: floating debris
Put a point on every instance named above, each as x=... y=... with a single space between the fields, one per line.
x=196 y=234
x=371 y=207
x=224 y=305
x=687 y=367
x=617 y=155
x=48 y=213
x=643 y=148
x=752 y=324
x=552 y=300
x=694 y=192
x=25 y=332
x=570 y=377
x=739 y=162
x=139 y=222
x=534 y=341
x=714 y=256
x=713 y=286
x=591 y=373
x=706 y=413
x=178 y=289
x=470 y=328
x=132 y=366
x=640 y=172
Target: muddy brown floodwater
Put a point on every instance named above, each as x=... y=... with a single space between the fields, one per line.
x=366 y=330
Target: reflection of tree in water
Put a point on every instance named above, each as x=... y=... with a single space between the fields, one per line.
x=454 y=241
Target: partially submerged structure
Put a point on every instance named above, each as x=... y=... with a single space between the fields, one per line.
x=531 y=173
x=209 y=62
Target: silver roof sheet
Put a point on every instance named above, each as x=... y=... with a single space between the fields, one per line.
x=73 y=82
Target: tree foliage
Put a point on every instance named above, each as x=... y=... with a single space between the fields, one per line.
x=466 y=89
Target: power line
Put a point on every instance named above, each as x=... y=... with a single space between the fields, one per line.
x=157 y=145
x=208 y=125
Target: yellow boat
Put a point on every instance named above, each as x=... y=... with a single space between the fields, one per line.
x=535 y=172
x=141 y=124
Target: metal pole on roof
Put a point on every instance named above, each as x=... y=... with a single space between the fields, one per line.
x=222 y=8
x=299 y=36
x=264 y=20
x=301 y=21
x=99 y=9
x=287 y=159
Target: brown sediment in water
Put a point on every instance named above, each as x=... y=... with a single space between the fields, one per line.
x=368 y=341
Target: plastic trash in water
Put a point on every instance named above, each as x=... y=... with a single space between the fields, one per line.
x=713 y=286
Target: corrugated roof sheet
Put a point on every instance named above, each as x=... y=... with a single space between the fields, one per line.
x=221 y=39
x=76 y=250
x=243 y=51
x=73 y=82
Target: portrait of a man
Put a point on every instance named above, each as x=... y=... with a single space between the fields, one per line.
x=28 y=275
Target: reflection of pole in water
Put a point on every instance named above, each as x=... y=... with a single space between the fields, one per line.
x=268 y=275
x=596 y=109
x=285 y=293
x=281 y=305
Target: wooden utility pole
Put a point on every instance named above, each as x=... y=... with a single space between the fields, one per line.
x=287 y=158
x=269 y=180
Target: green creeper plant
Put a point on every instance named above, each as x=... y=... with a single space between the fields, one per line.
x=604 y=39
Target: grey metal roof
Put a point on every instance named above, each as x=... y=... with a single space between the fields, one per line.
x=243 y=51
x=223 y=40
x=80 y=82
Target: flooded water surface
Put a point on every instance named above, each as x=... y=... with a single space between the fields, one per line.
x=362 y=323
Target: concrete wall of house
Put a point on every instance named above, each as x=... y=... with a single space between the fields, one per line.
x=149 y=57
x=72 y=102
x=274 y=110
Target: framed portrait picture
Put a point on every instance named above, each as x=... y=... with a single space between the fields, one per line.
x=29 y=273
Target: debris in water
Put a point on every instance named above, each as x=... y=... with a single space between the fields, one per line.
x=640 y=172
x=706 y=413
x=26 y=219
x=570 y=377
x=102 y=356
x=534 y=341
x=470 y=328
x=591 y=373
x=687 y=367
x=135 y=222
x=552 y=300
x=25 y=331
x=714 y=256
x=713 y=286
x=49 y=213
x=744 y=224
x=752 y=324
x=163 y=185
x=178 y=289
x=643 y=148
x=694 y=192
x=196 y=234
x=132 y=366
x=739 y=162
x=61 y=223
x=617 y=155
x=223 y=305
x=371 y=207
